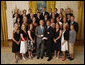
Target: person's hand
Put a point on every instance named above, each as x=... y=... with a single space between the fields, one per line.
x=25 y=41
x=46 y=38
x=18 y=43
x=39 y=36
x=62 y=43
x=33 y=41
x=55 y=40
x=72 y=45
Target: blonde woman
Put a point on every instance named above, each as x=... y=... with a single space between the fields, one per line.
x=16 y=41
x=23 y=45
x=64 y=41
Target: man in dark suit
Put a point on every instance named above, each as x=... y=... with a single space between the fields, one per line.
x=30 y=20
x=68 y=20
x=50 y=13
x=38 y=17
x=16 y=12
x=55 y=11
x=23 y=15
x=28 y=15
x=43 y=13
x=35 y=15
x=69 y=12
x=74 y=23
x=45 y=19
x=49 y=39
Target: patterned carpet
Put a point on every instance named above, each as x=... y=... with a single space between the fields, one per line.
x=8 y=58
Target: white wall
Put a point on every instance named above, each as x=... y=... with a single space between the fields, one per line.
x=25 y=5
x=68 y=4
x=10 y=7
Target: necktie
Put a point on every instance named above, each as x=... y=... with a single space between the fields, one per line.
x=47 y=28
x=42 y=29
x=43 y=13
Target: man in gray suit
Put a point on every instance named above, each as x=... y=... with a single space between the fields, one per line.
x=39 y=32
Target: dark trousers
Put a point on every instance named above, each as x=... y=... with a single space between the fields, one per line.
x=49 y=48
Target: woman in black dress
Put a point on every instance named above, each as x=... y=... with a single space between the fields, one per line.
x=31 y=40
x=57 y=40
x=16 y=41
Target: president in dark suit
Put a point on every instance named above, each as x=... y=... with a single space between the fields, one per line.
x=49 y=39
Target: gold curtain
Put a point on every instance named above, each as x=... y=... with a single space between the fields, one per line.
x=80 y=35
x=33 y=6
x=4 y=36
x=51 y=4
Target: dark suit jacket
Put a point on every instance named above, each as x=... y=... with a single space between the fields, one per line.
x=56 y=15
x=29 y=21
x=71 y=14
x=45 y=21
x=61 y=20
x=50 y=16
x=75 y=26
x=35 y=15
x=69 y=21
x=49 y=34
x=42 y=17
x=37 y=20
x=21 y=18
x=14 y=15
x=28 y=16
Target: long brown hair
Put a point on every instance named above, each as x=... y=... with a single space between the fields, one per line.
x=32 y=26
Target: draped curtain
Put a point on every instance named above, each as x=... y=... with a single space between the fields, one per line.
x=4 y=36
x=33 y=6
x=51 y=4
x=80 y=35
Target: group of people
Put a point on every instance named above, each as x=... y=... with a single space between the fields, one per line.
x=47 y=32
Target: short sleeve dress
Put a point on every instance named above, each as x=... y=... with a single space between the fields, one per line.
x=23 y=45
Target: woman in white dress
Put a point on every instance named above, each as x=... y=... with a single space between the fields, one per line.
x=23 y=45
x=64 y=41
